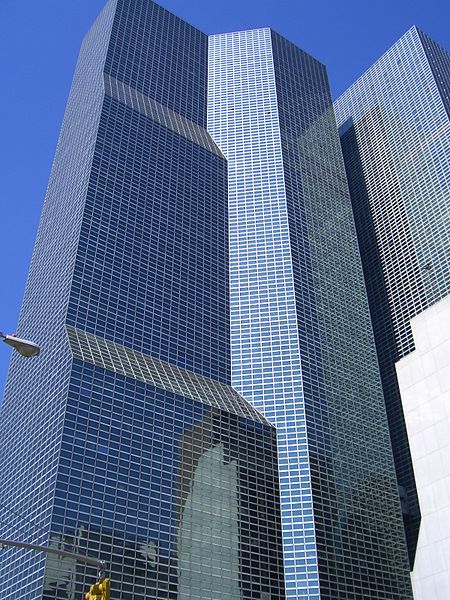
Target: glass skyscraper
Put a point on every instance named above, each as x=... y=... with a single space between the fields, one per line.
x=302 y=344
x=395 y=134
x=124 y=440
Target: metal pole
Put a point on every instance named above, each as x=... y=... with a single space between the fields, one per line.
x=95 y=562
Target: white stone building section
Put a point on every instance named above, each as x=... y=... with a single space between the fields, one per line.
x=424 y=380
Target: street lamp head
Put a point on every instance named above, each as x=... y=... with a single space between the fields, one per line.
x=24 y=347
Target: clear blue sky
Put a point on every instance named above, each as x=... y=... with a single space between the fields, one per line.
x=39 y=42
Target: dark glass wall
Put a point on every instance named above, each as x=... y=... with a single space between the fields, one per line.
x=32 y=414
x=393 y=124
x=160 y=55
x=356 y=508
x=151 y=268
x=180 y=498
x=176 y=490
x=383 y=318
x=439 y=60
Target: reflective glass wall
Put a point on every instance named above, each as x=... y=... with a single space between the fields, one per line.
x=134 y=448
x=395 y=135
x=301 y=339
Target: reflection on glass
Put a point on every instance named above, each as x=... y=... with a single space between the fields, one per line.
x=209 y=535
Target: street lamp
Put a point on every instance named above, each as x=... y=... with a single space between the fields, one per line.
x=23 y=347
x=98 y=591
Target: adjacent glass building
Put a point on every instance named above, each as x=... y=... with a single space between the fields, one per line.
x=124 y=440
x=395 y=134
x=302 y=344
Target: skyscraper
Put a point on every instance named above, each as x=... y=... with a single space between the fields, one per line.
x=302 y=344
x=395 y=134
x=124 y=440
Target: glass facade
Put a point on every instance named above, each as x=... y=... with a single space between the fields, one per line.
x=302 y=347
x=132 y=446
x=395 y=135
